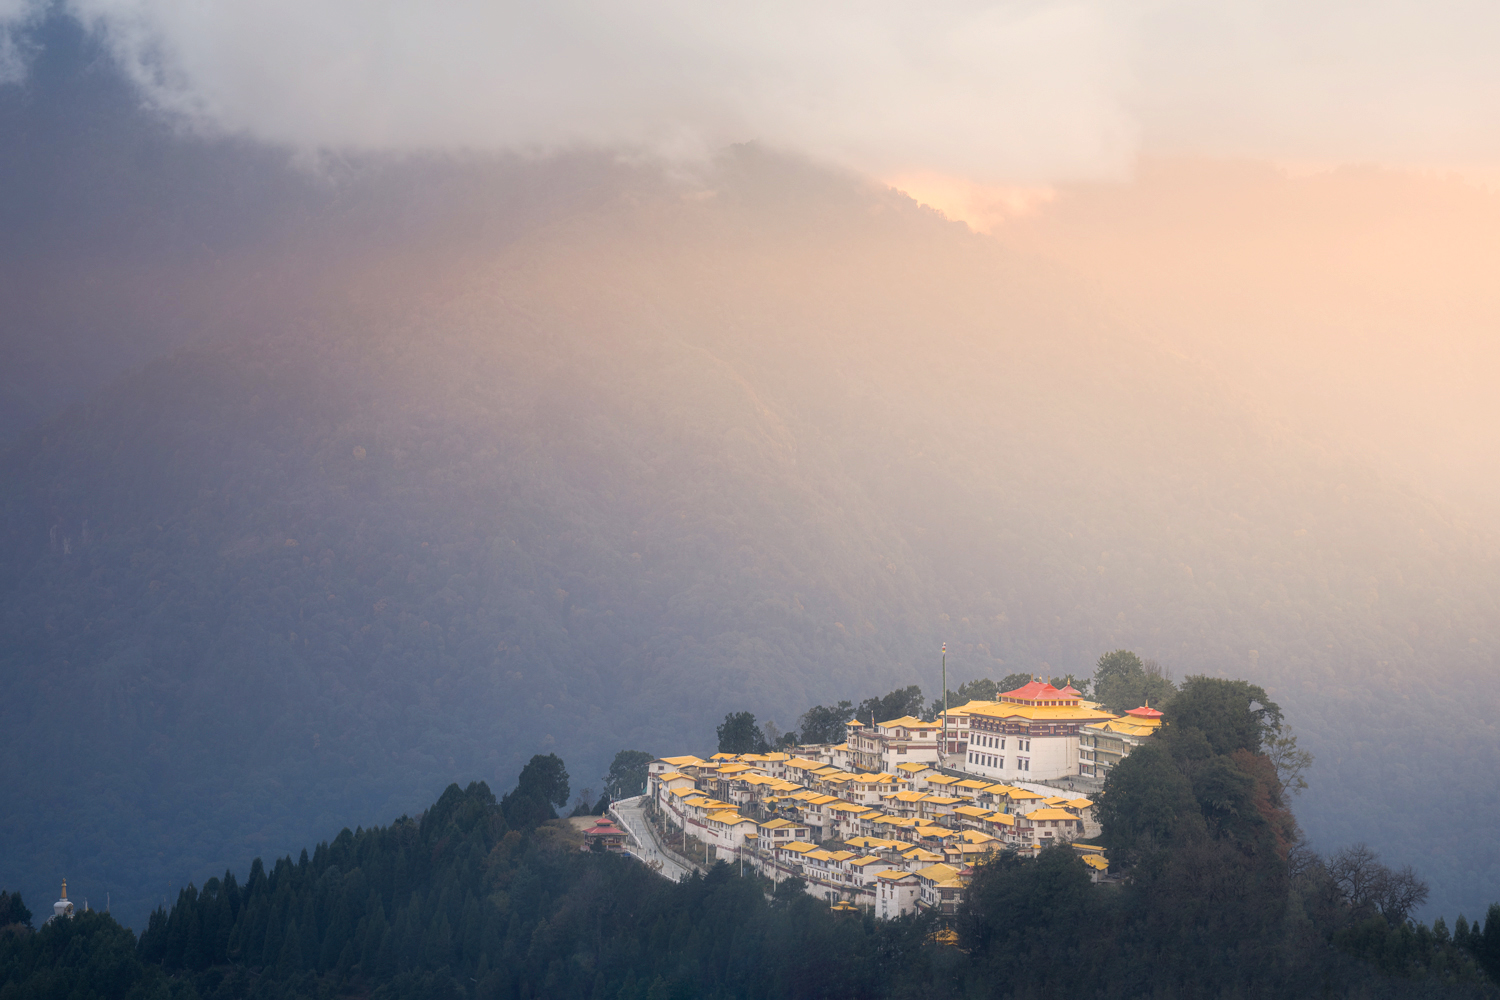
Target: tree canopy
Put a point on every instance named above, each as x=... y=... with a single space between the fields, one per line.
x=627 y=774
x=1231 y=714
x=900 y=702
x=543 y=784
x=739 y=734
x=1122 y=681
x=825 y=724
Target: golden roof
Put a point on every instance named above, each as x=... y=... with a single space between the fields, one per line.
x=1040 y=713
x=937 y=873
x=729 y=818
x=1037 y=814
x=907 y=722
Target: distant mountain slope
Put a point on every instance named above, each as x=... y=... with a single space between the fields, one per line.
x=756 y=443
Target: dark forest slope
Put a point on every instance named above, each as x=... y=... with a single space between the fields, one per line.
x=465 y=902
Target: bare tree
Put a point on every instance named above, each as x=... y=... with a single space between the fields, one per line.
x=1399 y=893
x=1365 y=883
x=1358 y=873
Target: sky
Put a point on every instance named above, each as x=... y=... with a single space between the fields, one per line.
x=1009 y=96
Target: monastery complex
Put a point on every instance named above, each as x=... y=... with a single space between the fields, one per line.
x=896 y=816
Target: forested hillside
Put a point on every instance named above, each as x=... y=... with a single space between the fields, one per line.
x=475 y=898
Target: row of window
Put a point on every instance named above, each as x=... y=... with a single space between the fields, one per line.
x=991 y=760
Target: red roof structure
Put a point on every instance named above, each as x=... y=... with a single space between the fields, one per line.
x=1144 y=712
x=1041 y=693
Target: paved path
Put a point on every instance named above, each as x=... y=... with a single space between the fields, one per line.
x=643 y=843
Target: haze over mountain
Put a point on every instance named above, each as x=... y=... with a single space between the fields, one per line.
x=440 y=463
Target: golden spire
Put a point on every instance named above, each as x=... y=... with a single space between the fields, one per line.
x=65 y=889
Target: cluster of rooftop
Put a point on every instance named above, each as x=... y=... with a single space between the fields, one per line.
x=896 y=816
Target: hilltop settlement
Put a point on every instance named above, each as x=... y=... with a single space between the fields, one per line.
x=895 y=817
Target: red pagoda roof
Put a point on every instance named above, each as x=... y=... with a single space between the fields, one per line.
x=1071 y=692
x=604 y=826
x=1144 y=712
x=1039 y=691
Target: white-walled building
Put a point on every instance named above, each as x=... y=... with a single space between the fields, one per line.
x=1029 y=733
x=886 y=745
x=896 y=894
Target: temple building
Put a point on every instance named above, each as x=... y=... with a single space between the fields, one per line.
x=1101 y=745
x=1029 y=733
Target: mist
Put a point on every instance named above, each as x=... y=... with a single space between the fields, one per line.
x=1018 y=93
x=436 y=391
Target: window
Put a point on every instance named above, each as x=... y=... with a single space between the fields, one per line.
x=999 y=761
x=1002 y=744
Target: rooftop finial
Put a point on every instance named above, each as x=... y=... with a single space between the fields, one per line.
x=65 y=889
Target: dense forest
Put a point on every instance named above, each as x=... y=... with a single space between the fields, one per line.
x=594 y=476
x=479 y=898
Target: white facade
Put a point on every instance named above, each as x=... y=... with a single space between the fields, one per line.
x=896 y=894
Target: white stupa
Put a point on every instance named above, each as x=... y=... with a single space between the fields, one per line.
x=63 y=907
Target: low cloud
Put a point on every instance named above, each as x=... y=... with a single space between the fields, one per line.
x=1001 y=93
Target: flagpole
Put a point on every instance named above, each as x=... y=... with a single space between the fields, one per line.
x=945 y=704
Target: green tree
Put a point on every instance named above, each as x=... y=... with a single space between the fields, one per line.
x=1486 y=944
x=900 y=702
x=1146 y=800
x=543 y=784
x=627 y=774
x=1123 y=681
x=740 y=734
x=13 y=911
x=823 y=724
x=1011 y=682
x=1232 y=715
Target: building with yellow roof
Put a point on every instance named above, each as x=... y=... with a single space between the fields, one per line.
x=884 y=746
x=672 y=763
x=970 y=816
x=956 y=727
x=1031 y=732
x=780 y=831
x=941 y=889
x=933 y=807
x=896 y=894
x=1104 y=744
x=1048 y=826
